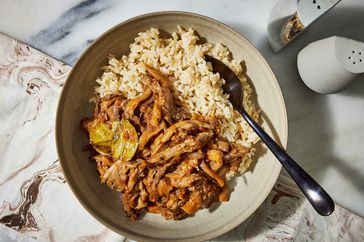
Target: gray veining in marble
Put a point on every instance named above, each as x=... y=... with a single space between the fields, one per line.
x=59 y=30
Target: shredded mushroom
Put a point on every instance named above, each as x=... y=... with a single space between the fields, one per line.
x=162 y=165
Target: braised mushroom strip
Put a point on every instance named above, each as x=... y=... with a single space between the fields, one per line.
x=158 y=163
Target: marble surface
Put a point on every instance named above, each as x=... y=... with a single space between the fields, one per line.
x=37 y=205
x=324 y=131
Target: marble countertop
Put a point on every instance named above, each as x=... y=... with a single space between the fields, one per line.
x=325 y=132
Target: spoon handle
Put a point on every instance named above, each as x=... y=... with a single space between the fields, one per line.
x=316 y=195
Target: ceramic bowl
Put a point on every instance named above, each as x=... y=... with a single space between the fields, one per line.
x=103 y=203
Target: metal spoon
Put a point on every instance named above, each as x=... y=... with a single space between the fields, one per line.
x=316 y=195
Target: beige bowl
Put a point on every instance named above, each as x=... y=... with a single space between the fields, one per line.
x=103 y=203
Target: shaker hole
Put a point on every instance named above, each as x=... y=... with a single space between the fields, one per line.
x=318 y=7
x=359 y=53
x=354 y=62
x=360 y=60
x=353 y=52
x=314 y=1
x=349 y=57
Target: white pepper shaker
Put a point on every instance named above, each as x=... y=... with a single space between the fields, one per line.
x=328 y=65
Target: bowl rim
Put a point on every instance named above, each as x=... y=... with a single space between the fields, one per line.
x=60 y=151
